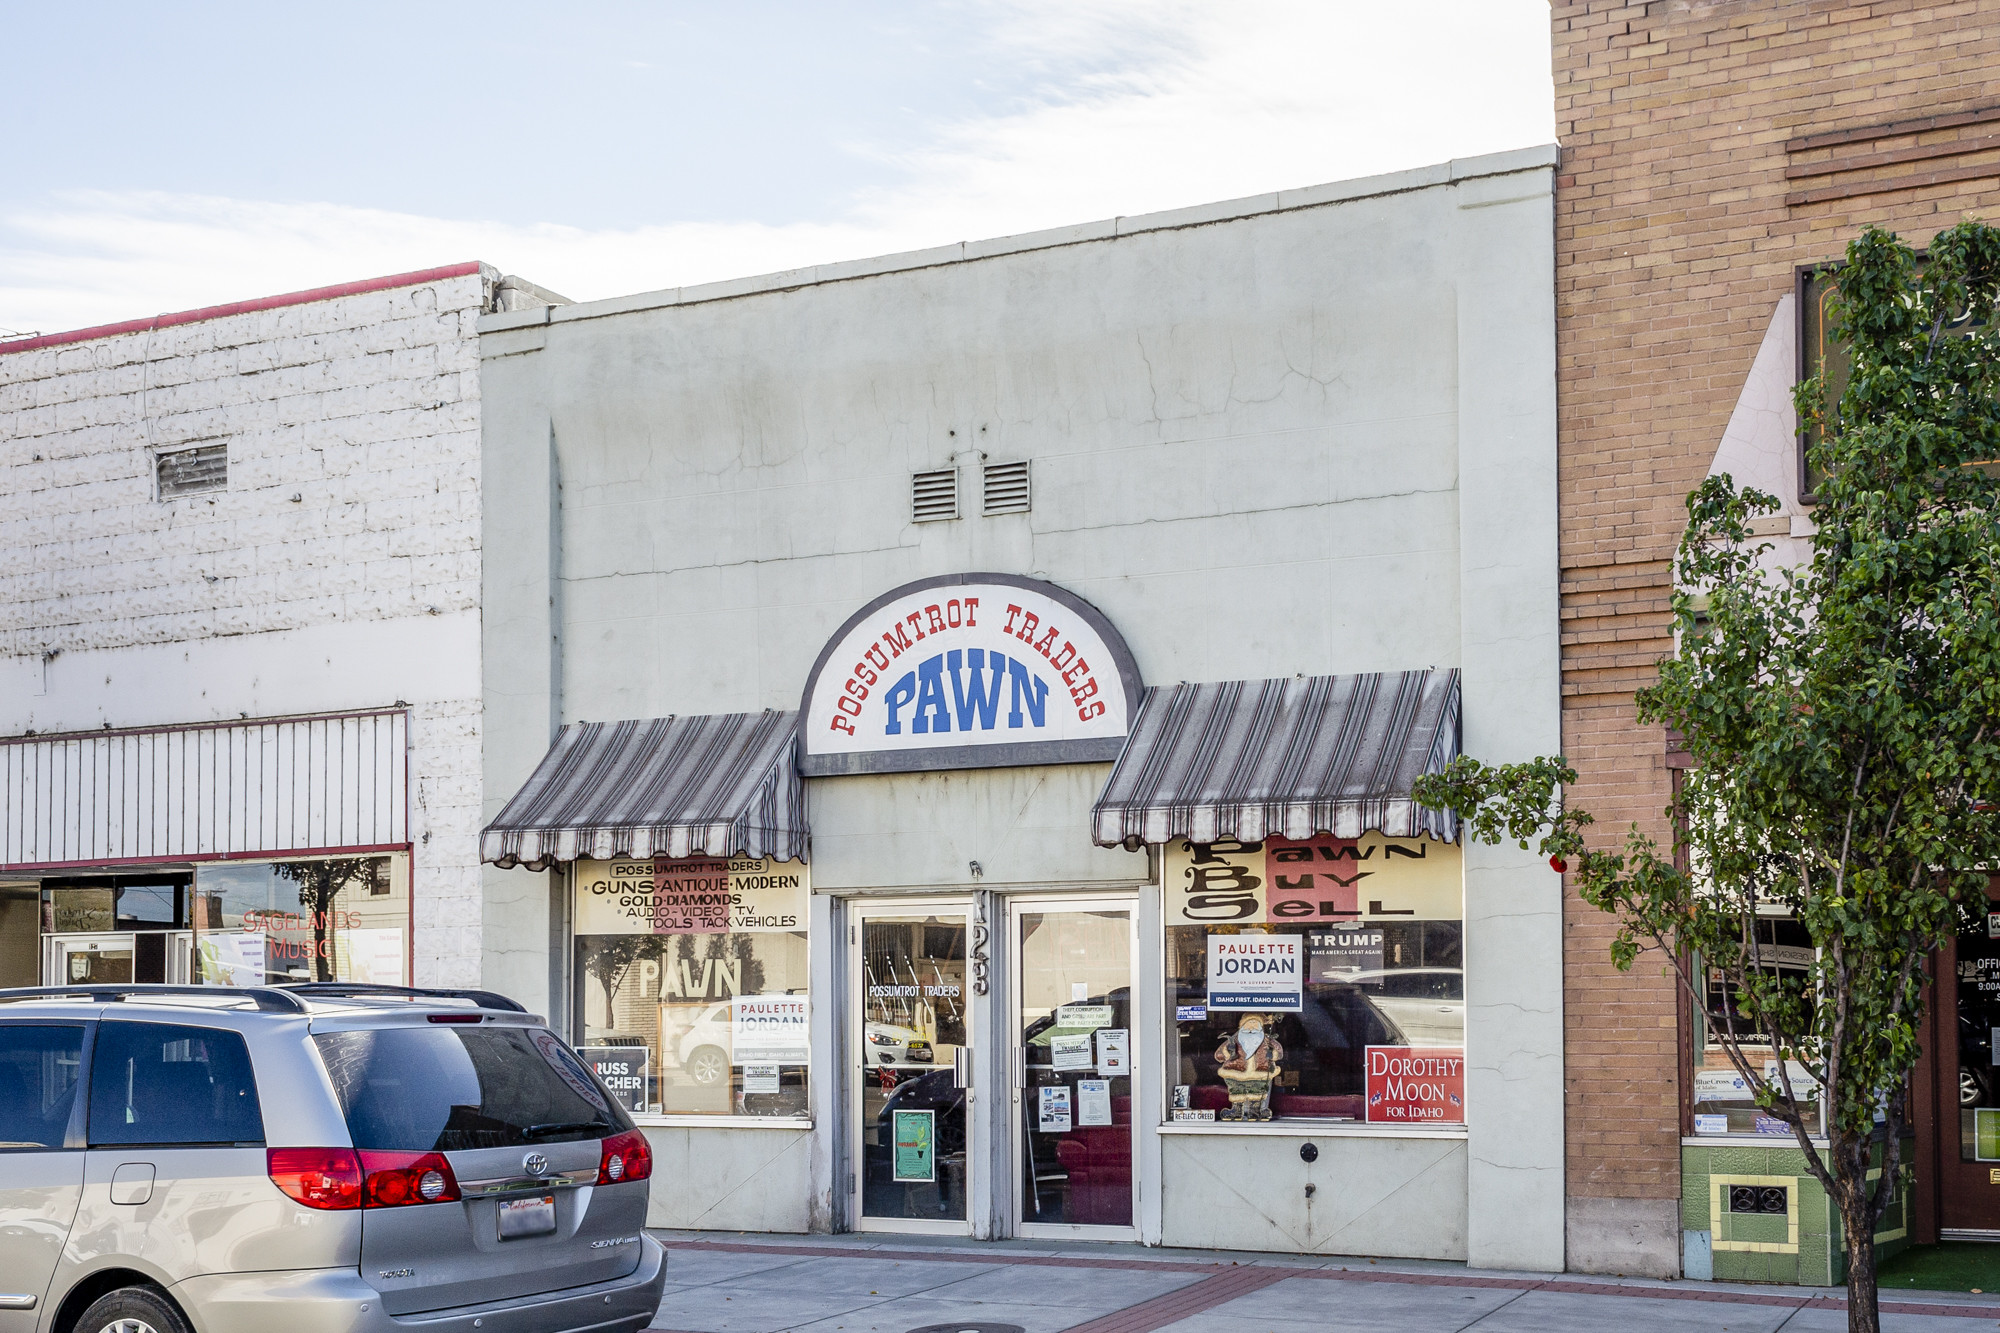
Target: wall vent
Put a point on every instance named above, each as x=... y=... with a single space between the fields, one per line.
x=1007 y=488
x=192 y=471
x=1760 y=1200
x=934 y=495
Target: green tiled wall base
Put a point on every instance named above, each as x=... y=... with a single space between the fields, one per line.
x=1813 y=1255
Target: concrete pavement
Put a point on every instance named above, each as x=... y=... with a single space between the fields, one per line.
x=875 y=1283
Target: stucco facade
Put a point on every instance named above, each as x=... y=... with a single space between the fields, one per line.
x=1301 y=434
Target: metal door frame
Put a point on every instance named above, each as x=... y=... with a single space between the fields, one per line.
x=179 y=952
x=858 y=912
x=1126 y=900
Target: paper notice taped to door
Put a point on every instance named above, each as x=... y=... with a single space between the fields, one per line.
x=1093 y=1101
x=1054 y=1111
x=1114 y=1052
x=1070 y=1052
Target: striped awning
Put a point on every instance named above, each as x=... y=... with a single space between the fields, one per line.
x=1251 y=759
x=722 y=785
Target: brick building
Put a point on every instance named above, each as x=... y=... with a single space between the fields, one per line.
x=1708 y=151
x=239 y=640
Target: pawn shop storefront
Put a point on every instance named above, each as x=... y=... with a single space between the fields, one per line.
x=1206 y=984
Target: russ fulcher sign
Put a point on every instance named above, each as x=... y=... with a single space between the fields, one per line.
x=968 y=671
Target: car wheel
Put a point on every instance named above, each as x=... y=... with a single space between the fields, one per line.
x=1969 y=1091
x=132 y=1310
x=708 y=1066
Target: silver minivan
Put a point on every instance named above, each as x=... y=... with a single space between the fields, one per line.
x=314 y=1159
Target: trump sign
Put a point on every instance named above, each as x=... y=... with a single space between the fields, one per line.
x=968 y=671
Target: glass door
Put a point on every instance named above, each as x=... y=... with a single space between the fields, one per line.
x=1072 y=1061
x=911 y=1040
x=96 y=960
x=117 y=958
x=1969 y=1091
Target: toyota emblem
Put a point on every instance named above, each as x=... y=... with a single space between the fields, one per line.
x=535 y=1164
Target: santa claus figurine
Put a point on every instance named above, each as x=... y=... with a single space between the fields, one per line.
x=1249 y=1062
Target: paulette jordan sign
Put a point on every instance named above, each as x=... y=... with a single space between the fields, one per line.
x=968 y=671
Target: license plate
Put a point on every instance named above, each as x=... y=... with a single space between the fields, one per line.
x=527 y=1217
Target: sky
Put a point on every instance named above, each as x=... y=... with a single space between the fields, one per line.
x=166 y=157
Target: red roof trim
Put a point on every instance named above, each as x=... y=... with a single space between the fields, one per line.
x=243 y=307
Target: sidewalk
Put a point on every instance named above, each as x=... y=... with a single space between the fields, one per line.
x=731 y=1283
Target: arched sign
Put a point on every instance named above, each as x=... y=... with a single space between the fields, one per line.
x=968 y=671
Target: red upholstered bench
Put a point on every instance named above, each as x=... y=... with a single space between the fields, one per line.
x=1292 y=1105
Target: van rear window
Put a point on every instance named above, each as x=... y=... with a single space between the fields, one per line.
x=447 y=1089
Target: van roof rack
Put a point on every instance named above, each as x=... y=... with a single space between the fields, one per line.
x=485 y=999
x=267 y=998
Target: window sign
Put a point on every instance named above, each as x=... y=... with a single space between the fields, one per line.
x=699 y=896
x=915 y=1156
x=968 y=671
x=1053 y=1108
x=1412 y=1085
x=1260 y=972
x=231 y=957
x=1114 y=1052
x=1338 y=954
x=770 y=1030
x=622 y=1070
x=1071 y=1052
x=1321 y=881
x=1093 y=1102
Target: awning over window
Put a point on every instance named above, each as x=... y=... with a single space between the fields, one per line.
x=722 y=785
x=1291 y=758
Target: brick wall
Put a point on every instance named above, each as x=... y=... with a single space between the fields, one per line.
x=1677 y=233
x=352 y=429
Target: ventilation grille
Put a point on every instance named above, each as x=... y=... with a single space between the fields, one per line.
x=192 y=471
x=1760 y=1200
x=934 y=495
x=1007 y=488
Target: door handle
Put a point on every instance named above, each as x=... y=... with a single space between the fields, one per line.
x=961 y=1067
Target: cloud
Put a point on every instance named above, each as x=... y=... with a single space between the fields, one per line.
x=1143 y=106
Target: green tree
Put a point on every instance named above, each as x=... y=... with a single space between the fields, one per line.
x=1842 y=718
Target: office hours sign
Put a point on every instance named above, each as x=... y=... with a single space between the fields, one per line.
x=968 y=671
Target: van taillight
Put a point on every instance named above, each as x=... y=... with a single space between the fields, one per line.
x=625 y=1157
x=316 y=1177
x=398 y=1179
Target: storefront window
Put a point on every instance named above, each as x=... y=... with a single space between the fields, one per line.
x=691 y=984
x=1723 y=1103
x=1319 y=980
x=343 y=918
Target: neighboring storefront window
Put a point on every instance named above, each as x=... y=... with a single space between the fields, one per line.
x=691 y=984
x=1722 y=1100
x=341 y=918
x=1318 y=980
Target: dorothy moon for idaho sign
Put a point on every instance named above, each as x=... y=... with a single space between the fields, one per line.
x=968 y=671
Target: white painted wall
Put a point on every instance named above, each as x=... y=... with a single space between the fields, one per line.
x=339 y=569
x=1302 y=433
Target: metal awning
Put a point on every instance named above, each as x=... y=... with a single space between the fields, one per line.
x=721 y=785
x=1251 y=759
